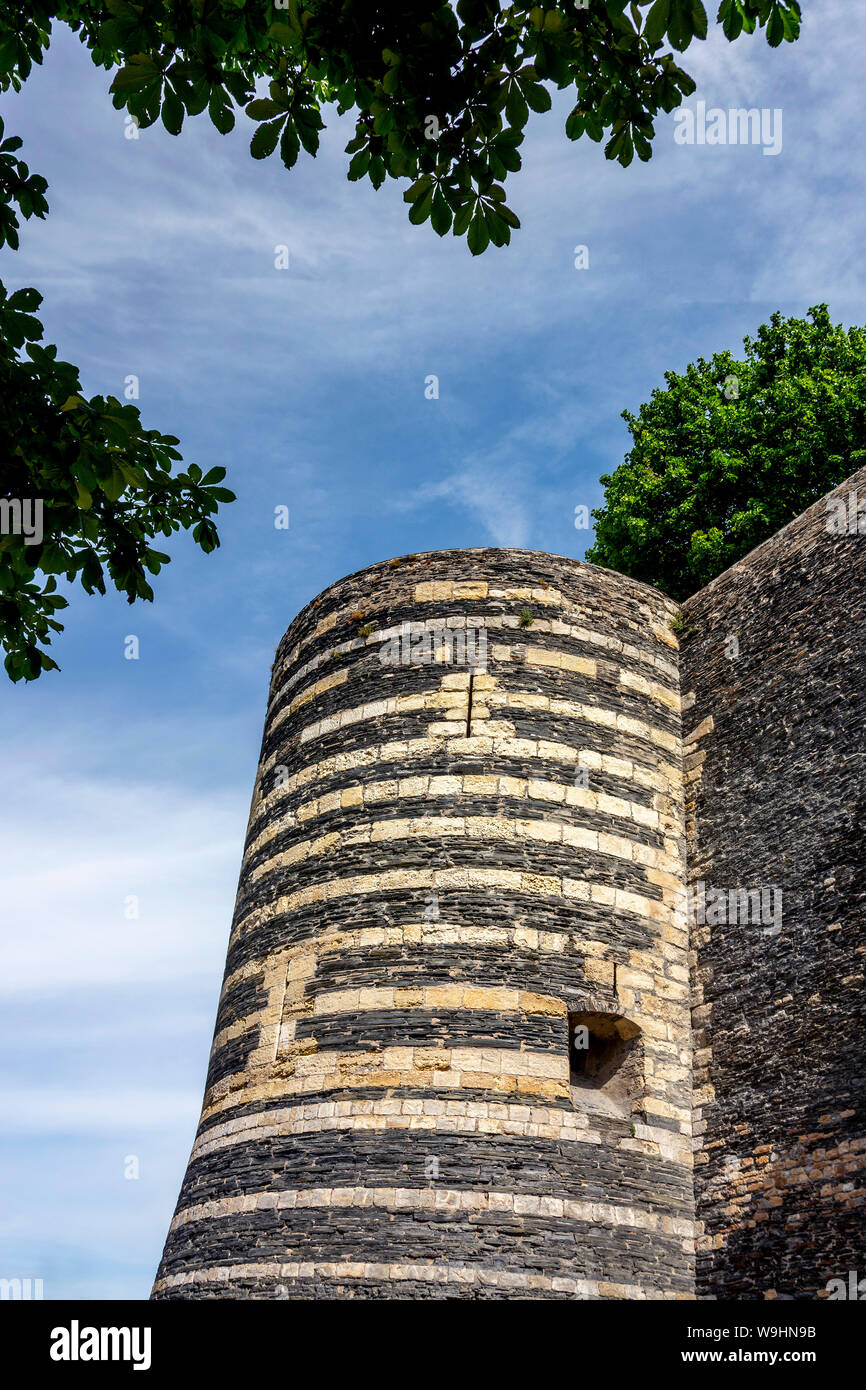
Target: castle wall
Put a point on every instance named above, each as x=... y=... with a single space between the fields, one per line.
x=774 y=761
x=443 y=863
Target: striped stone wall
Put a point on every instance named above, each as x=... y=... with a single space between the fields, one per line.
x=444 y=861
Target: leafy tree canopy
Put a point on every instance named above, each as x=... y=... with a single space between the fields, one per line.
x=441 y=95
x=732 y=450
x=103 y=486
x=442 y=92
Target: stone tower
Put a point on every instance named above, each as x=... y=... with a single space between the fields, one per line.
x=530 y=993
x=452 y=1052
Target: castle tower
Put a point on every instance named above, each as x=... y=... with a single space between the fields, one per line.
x=452 y=1051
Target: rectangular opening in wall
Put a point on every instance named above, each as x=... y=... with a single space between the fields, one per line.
x=605 y=1061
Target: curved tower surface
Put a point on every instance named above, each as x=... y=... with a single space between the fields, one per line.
x=452 y=1051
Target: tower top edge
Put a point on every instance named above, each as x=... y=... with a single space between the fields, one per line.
x=496 y=555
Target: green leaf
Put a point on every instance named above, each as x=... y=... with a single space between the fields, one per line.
x=538 y=97
x=413 y=193
x=308 y=123
x=497 y=228
x=575 y=124
x=221 y=115
x=775 y=29
x=463 y=217
x=283 y=34
x=264 y=142
x=791 y=22
x=290 y=146
x=263 y=110
x=441 y=215
x=699 y=19
x=478 y=237
x=140 y=71
x=680 y=26
x=53 y=559
x=111 y=36
x=172 y=113
x=135 y=477
x=422 y=207
x=359 y=164
x=620 y=147
x=196 y=99
x=656 y=23
x=516 y=108
x=114 y=485
x=506 y=152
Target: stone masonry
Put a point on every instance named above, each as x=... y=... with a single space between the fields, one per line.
x=453 y=1053
x=775 y=747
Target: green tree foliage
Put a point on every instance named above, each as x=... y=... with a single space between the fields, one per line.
x=105 y=485
x=441 y=95
x=732 y=450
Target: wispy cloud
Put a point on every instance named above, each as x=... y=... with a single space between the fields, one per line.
x=128 y=879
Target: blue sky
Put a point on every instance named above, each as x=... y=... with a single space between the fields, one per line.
x=133 y=778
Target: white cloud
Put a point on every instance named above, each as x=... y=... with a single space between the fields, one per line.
x=102 y=841
x=497 y=499
x=88 y=1112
